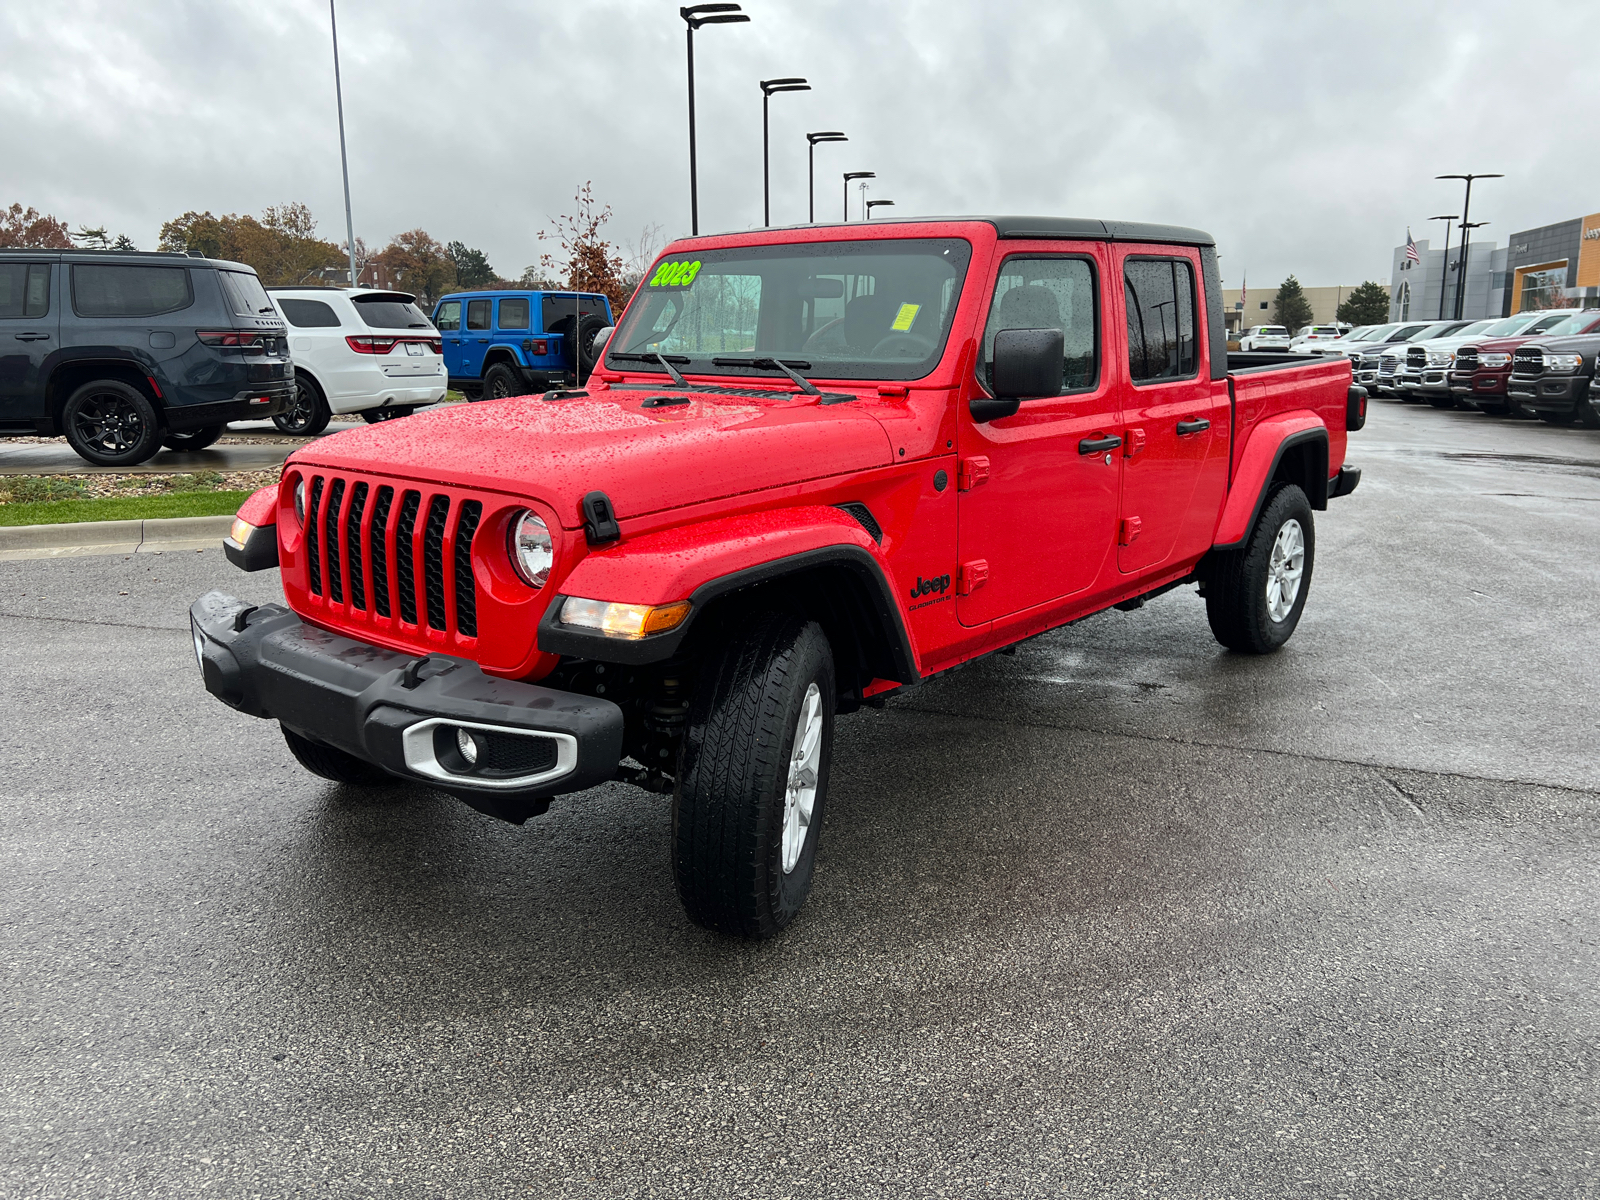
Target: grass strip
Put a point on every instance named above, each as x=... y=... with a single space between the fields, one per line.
x=123 y=508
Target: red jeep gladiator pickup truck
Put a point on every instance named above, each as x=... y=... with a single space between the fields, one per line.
x=815 y=467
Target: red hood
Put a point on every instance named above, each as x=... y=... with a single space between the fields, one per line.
x=645 y=459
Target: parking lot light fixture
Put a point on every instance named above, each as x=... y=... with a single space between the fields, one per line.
x=695 y=16
x=828 y=135
x=768 y=86
x=872 y=204
x=344 y=158
x=1461 y=286
x=1444 y=263
x=848 y=176
x=1466 y=213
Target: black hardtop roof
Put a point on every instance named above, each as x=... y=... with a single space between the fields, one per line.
x=166 y=257
x=519 y=292
x=1045 y=228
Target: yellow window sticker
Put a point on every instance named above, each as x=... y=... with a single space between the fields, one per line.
x=904 y=318
x=677 y=274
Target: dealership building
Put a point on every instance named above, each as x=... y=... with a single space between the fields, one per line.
x=1554 y=266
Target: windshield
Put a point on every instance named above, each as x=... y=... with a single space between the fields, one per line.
x=1547 y=324
x=1576 y=323
x=1507 y=327
x=1355 y=335
x=394 y=311
x=877 y=309
x=1475 y=328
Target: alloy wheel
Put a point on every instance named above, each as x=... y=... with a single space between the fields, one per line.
x=110 y=423
x=800 y=796
x=1285 y=569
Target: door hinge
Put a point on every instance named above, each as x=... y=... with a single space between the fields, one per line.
x=1128 y=533
x=972 y=576
x=1133 y=442
x=971 y=473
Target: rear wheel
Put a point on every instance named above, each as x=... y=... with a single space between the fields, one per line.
x=308 y=413
x=753 y=777
x=194 y=439
x=332 y=764
x=374 y=415
x=1254 y=596
x=111 y=424
x=500 y=382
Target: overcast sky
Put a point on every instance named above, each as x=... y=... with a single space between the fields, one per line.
x=1304 y=136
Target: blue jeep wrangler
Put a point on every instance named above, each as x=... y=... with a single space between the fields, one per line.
x=515 y=343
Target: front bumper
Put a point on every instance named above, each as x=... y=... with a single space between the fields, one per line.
x=401 y=713
x=1548 y=393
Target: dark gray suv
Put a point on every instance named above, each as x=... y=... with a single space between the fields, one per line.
x=124 y=352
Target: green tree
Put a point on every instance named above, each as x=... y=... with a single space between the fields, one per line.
x=1367 y=305
x=282 y=246
x=592 y=263
x=420 y=263
x=472 y=266
x=1291 y=309
x=25 y=229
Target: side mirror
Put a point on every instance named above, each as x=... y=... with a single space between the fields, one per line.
x=601 y=339
x=1027 y=365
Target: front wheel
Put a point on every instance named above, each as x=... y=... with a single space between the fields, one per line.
x=331 y=763
x=373 y=416
x=753 y=777
x=194 y=439
x=1587 y=416
x=1558 y=418
x=1254 y=596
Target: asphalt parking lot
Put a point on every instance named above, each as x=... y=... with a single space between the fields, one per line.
x=1121 y=915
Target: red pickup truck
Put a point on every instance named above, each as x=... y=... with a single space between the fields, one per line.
x=816 y=467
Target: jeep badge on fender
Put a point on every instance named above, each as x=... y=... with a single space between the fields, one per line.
x=769 y=426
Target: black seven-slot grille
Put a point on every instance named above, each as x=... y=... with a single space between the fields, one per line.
x=1416 y=357
x=1467 y=358
x=1527 y=360
x=355 y=531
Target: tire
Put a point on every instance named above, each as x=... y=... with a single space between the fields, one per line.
x=333 y=764
x=194 y=439
x=588 y=327
x=1558 y=418
x=1245 y=615
x=501 y=382
x=1442 y=401
x=734 y=827
x=308 y=413
x=1586 y=414
x=111 y=424
x=374 y=416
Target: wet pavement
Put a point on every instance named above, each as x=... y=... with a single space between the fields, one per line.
x=246 y=446
x=1121 y=915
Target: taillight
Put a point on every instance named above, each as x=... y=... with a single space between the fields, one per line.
x=371 y=345
x=233 y=339
x=540 y=346
x=436 y=345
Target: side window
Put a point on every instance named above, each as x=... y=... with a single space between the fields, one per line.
x=115 y=291
x=309 y=314
x=514 y=313
x=1047 y=293
x=478 y=314
x=24 y=290
x=1160 y=298
x=448 y=318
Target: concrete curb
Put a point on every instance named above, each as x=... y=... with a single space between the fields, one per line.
x=111 y=537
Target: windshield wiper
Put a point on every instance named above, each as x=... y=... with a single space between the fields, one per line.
x=666 y=361
x=773 y=364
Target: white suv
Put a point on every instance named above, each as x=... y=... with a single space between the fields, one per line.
x=357 y=350
x=1265 y=337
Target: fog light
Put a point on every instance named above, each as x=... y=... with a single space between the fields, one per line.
x=468 y=745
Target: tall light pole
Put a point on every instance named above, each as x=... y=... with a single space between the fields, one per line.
x=872 y=204
x=1461 y=285
x=830 y=135
x=1466 y=212
x=695 y=16
x=768 y=86
x=848 y=176
x=344 y=160
x=1444 y=263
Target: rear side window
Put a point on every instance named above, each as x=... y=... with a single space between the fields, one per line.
x=514 y=313
x=390 y=312
x=477 y=314
x=449 y=316
x=117 y=291
x=245 y=294
x=24 y=289
x=1160 y=298
x=1047 y=293
x=309 y=314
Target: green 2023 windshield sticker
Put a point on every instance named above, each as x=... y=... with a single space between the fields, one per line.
x=677 y=274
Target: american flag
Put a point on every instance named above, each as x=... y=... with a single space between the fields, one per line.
x=1244 y=289
x=1411 y=248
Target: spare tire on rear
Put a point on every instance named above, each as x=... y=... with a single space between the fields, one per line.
x=589 y=326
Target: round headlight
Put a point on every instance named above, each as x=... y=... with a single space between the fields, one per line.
x=300 y=500
x=533 y=552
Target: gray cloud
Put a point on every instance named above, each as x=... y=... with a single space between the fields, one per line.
x=1305 y=137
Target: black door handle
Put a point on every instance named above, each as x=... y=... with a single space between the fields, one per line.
x=1199 y=425
x=33 y=337
x=1099 y=445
